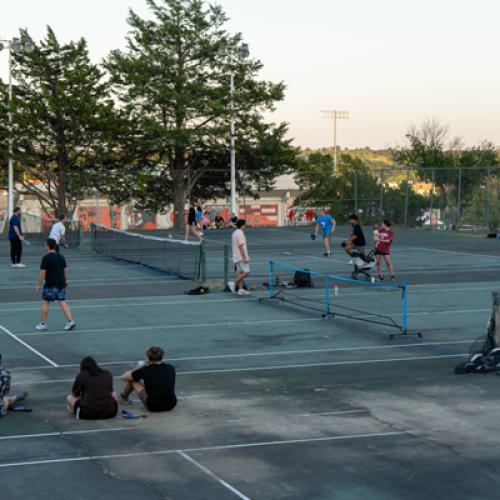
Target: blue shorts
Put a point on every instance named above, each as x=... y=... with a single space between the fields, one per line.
x=53 y=294
x=326 y=235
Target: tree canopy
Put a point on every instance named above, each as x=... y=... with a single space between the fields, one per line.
x=62 y=119
x=172 y=83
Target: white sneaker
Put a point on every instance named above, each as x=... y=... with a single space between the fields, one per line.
x=232 y=286
x=41 y=326
x=242 y=291
x=70 y=325
x=20 y=265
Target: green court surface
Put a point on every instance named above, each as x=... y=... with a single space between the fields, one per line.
x=275 y=401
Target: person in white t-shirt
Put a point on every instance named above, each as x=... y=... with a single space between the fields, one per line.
x=241 y=258
x=58 y=231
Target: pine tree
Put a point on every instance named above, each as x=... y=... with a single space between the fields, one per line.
x=173 y=83
x=63 y=122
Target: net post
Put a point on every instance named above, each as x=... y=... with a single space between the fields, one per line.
x=327 y=296
x=202 y=273
x=405 y=308
x=271 y=265
x=496 y=317
x=93 y=236
x=226 y=266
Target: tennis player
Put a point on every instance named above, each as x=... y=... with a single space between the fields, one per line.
x=325 y=224
x=241 y=259
x=357 y=236
x=383 y=241
x=58 y=232
x=53 y=276
x=16 y=239
x=191 y=225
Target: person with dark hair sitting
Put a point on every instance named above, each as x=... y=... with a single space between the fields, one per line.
x=92 y=396
x=7 y=399
x=153 y=382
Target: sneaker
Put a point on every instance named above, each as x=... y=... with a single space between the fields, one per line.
x=242 y=291
x=22 y=396
x=125 y=401
x=232 y=286
x=70 y=325
x=19 y=265
x=328 y=254
x=380 y=278
x=392 y=278
x=41 y=326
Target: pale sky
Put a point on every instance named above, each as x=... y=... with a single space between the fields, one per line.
x=390 y=63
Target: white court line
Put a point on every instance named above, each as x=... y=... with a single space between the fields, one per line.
x=213 y=476
x=456 y=252
x=65 y=433
x=124 y=300
x=303 y=415
x=32 y=349
x=212 y=448
x=262 y=354
x=198 y=302
x=246 y=323
x=273 y=367
x=173 y=327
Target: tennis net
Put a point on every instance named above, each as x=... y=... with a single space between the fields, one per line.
x=178 y=257
x=335 y=296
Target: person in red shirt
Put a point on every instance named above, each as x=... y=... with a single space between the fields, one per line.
x=383 y=240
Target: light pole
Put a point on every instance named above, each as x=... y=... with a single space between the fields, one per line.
x=14 y=45
x=335 y=115
x=243 y=53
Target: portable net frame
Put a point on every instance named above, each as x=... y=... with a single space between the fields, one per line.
x=332 y=292
x=184 y=259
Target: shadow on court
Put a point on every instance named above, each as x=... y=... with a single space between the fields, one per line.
x=274 y=400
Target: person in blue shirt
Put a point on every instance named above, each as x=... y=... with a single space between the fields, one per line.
x=16 y=238
x=325 y=224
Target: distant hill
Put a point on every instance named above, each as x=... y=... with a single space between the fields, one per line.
x=375 y=158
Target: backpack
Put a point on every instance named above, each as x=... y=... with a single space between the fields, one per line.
x=302 y=279
x=200 y=290
x=481 y=363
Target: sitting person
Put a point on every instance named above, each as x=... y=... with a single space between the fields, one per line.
x=219 y=221
x=353 y=252
x=157 y=389
x=92 y=396
x=7 y=400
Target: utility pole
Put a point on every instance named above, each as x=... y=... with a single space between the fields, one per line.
x=335 y=115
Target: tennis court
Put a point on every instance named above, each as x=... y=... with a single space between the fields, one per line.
x=275 y=401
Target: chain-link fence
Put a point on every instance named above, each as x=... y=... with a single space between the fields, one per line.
x=466 y=198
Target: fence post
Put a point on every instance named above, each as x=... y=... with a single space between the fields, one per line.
x=496 y=317
x=433 y=181
x=407 y=194
x=459 y=194
x=381 y=209
x=355 y=192
x=488 y=199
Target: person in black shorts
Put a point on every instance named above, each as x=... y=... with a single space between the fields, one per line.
x=53 y=276
x=153 y=382
x=191 y=226
x=357 y=236
x=92 y=396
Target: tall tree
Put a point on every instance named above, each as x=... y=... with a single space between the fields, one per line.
x=456 y=172
x=62 y=122
x=173 y=82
